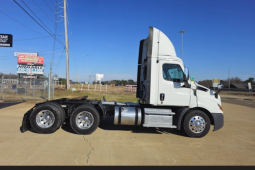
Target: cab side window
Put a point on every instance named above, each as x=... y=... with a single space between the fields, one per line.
x=173 y=72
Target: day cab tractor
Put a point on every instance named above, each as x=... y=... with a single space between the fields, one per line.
x=167 y=98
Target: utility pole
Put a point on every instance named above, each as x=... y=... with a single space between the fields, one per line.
x=49 y=84
x=181 y=32
x=87 y=68
x=2 y=84
x=67 y=50
x=228 y=80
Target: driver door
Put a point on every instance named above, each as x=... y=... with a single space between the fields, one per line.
x=171 y=85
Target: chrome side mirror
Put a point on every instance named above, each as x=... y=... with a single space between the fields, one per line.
x=220 y=86
x=186 y=77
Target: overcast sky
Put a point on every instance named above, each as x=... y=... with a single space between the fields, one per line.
x=219 y=35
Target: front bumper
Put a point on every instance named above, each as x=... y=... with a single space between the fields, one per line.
x=218 y=119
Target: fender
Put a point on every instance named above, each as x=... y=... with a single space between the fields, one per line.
x=180 y=115
x=217 y=119
x=26 y=121
x=103 y=110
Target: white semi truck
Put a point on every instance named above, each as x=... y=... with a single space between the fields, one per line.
x=166 y=99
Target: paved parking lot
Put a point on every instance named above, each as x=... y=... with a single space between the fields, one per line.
x=234 y=144
x=7 y=104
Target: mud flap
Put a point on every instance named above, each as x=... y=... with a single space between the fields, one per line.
x=26 y=121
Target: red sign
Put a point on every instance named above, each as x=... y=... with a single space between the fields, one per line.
x=25 y=59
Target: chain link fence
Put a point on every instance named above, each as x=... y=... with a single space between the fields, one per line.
x=26 y=88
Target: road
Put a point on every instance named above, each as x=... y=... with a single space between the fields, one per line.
x=239 y=101
x=7 y=104
x=234 y=144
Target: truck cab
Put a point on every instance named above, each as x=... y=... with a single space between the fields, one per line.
x=163 y=80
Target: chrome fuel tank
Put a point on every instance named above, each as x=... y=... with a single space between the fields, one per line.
x=127 y=116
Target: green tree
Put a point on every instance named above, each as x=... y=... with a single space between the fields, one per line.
x=251 y=80
x=63 y=80
x=206 y=83
x=131 y=82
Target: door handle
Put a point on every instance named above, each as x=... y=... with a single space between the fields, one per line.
x=162 y=97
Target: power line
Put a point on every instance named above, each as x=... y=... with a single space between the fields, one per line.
x=32 y=38
x=49 y=50
x=36 y=21
x=59 y=60
x=48 y=6
x=59 y=3
x=51 y=53
x=8 y=57
x=36 y=15
x=46 y=14
x=20 y=23
x=48 y=29
x=40 y=20
x=55 y=34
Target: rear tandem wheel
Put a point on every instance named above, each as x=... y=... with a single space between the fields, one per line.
x=85 y=119
x=46 y=118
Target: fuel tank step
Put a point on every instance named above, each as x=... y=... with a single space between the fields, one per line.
x=155 y=117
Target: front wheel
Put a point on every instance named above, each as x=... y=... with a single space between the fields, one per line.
x=85 y=119
x=196 y=124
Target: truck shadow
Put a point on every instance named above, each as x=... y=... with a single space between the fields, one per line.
x=67 y=127
x=8 y=104
x=29 y=129
x=107 y=124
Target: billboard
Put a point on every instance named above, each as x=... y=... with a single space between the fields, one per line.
x=5 y=40
x=249 y=86
x=25 y=59
x=33 y=77
x=25 y=53
x=26 y=69
x=99 y=77
x=216 y=82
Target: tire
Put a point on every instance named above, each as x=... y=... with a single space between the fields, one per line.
x=61 y=109
x=46 y=118
x=85 y=119
x=196 y=124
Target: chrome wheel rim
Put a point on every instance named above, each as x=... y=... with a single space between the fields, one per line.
x=45 y=119
x=197 y=124
x=84 y=120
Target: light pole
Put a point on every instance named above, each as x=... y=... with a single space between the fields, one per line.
x=87 y=67
x=181 y=32
x=228 y=80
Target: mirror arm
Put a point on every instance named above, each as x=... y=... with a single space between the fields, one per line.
x=186 y=83
x=219 y=90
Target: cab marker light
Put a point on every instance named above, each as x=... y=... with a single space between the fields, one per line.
x=220 y=107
